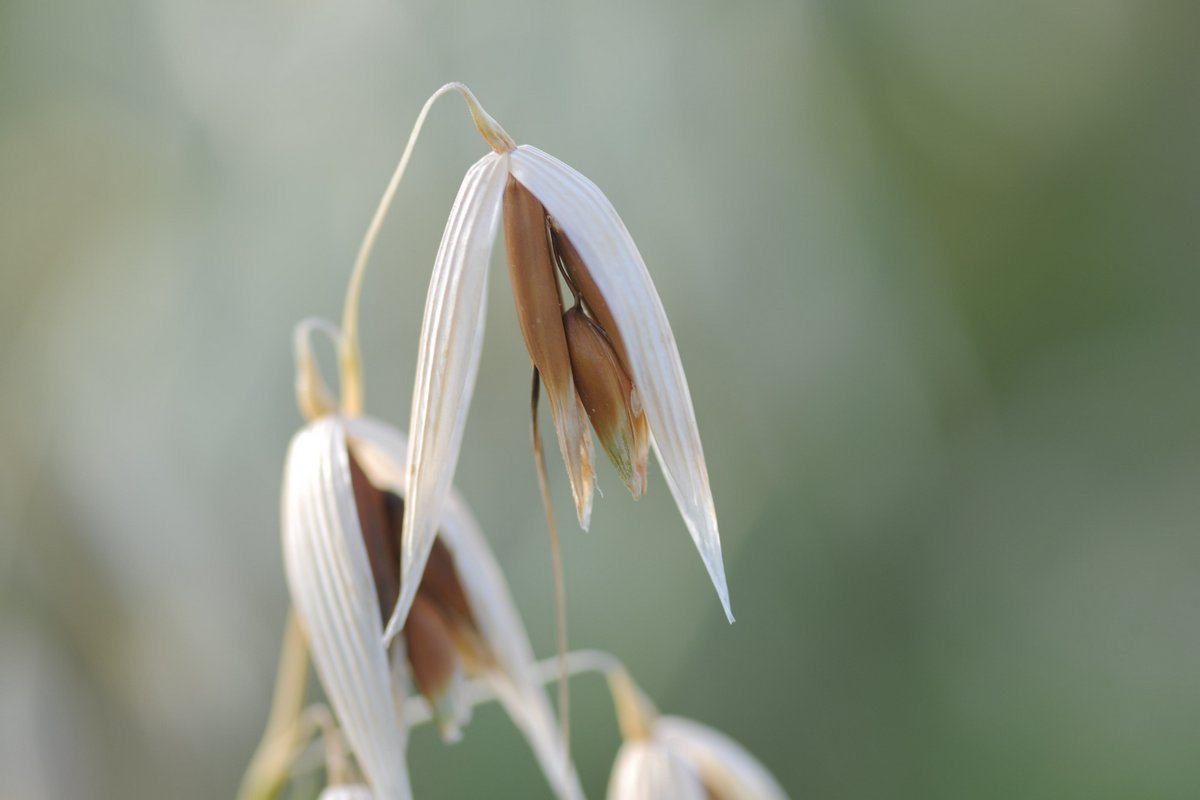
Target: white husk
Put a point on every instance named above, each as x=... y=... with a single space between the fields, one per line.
x=447 y=362
x=380 y=451
x=604 y=244
x=329 y=577
x=726 y=767
x=346 y=791
x=646 y=770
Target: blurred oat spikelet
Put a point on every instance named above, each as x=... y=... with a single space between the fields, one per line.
x=673 y=757
x=343 y=501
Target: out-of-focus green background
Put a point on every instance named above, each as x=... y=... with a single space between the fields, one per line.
x=934 y=270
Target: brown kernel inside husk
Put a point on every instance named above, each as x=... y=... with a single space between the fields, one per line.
x=430 y=647
x=608 y=395
x=533 y=273
x=441 y=628
x=535 y=285
x=579 y=277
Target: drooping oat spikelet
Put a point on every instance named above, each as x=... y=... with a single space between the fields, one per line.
x=554 y=219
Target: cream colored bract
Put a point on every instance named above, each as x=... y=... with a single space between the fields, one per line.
x=684 y=759
x=333 y=590
x=452 y=338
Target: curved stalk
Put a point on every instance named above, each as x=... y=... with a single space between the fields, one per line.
x=349 y=354
x=577 y=662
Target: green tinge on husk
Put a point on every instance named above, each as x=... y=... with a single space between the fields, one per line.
x=609 y=398
x=436 y=668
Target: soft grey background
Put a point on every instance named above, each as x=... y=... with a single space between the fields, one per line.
x=933 y=271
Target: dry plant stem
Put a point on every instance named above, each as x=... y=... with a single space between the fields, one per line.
x=635 y=713
x=268 y=770
x=313 y=396
x=350 y=355
x=318 y=718
x=578 y=662
x=560 y=589
x=317 y=725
